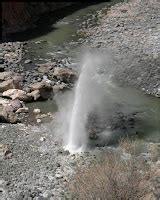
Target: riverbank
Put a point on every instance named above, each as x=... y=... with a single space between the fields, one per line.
x=130 y=33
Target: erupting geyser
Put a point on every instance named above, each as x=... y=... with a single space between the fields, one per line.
x=85 y=98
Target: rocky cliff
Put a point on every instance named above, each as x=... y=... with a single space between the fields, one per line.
x=19 y=16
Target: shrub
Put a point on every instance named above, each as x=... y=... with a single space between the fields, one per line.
x=112 y=179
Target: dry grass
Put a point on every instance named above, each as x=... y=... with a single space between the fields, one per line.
x=128 y=145
x=113 y=179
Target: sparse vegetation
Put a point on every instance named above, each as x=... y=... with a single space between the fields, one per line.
x=113 y=178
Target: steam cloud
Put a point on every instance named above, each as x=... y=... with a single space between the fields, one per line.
x=87 y=95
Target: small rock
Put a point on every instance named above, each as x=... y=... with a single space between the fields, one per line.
x=39 y=121
x=37 y=110
x=42 y=139
x=22 y=110
x=5 y=151
x=59 y=176
x=27 y=61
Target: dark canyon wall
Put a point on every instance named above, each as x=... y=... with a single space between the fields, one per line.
x=19 y=16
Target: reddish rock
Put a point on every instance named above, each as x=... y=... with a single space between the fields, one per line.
x=17 y=94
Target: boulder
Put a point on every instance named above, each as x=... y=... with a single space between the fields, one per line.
x=17 y=94
x=5 y=75
x=6 y=85
x=44 y=88
x=64 y=74
x=40 y=85
x=7 y=114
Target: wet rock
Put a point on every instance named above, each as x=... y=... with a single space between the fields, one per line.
x=17 y=94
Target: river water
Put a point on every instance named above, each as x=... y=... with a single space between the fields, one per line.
x=62 y=42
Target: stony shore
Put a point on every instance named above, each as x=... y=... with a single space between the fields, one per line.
x=130 y=33
x=34 y=164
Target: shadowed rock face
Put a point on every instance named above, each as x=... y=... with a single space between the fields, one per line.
x=19 y=16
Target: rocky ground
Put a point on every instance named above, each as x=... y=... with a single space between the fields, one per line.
x=34 y=165
x=18 y=85
x=130 y=33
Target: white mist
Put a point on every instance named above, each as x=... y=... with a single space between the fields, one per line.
x=87 y=94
